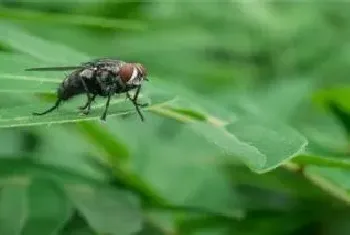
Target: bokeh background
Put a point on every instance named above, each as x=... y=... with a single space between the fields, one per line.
x=246 y=133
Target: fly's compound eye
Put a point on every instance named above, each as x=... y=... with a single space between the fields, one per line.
x=134 y=74
x=126 y=73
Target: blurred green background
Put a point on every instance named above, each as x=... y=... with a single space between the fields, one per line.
x=247 y=132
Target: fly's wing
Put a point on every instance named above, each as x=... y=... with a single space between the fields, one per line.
x=104 y=62
x=100 y=62
x=63 y=68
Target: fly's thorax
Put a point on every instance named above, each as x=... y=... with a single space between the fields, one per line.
x=87 y=73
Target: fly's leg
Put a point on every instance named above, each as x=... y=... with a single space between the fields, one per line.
x=135 y=103
x=104 y=114
x=87 y=106
x=134 y=99
x=89 y=98
x=55 y=106
x=88 y=101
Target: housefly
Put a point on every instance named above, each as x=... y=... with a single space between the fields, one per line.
x=100 y=77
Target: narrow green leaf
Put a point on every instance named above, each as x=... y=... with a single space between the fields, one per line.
x=338 y=94
x=332 y=180
x=67 y=113
x=322 y=161
x=70 y=19
x=49 y=53
x=189 y=113
x=22 y=115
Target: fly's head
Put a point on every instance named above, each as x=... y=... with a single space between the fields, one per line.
x=133 y=73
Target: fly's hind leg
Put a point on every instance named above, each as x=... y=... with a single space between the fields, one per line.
x=55 y=106
x=87 y=106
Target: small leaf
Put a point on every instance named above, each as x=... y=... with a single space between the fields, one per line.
x=107 y=210
x=48 y=208
x=231 y=145
x=277 y=142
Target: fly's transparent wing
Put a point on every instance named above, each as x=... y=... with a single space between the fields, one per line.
x=63 y=68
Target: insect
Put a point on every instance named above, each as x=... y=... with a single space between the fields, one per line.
x=103 y=77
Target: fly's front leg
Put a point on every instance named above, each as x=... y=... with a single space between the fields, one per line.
x=135 y=98
x=104 y=114
x=135 y=103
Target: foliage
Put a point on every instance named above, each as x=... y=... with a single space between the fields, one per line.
x=246 y=132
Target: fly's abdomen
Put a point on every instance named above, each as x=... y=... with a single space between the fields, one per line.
x=70 y=87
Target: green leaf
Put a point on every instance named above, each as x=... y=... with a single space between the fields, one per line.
x=283 y=99
x=164 y=221
x=322 y=161
x=27 y=83
x=116 y=155
x=68 y=113
x=13 y=209
x=275 y=142
x=75 y=158
x=101 y=138
x=189 y=113
x=331 y=180
x=185 y=157
x=230 y=145
x=249 y=139
x=77 y=226
x=106 y=210
x=323 y=131
x=104 y=207
x=48 y=208
x=338 y=94
x=70 y=19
